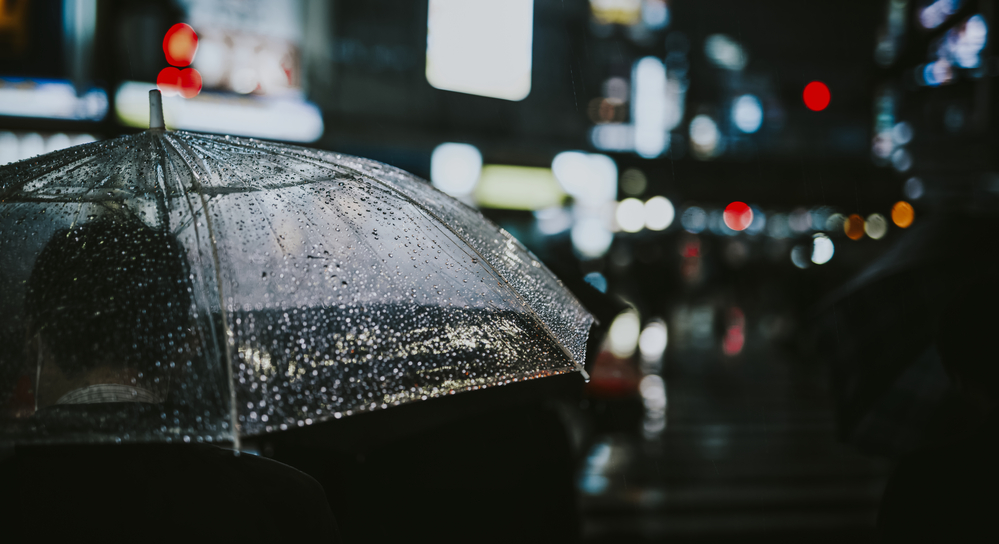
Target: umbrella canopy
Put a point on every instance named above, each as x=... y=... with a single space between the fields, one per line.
x=228 y=287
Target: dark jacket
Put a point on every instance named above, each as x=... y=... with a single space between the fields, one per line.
x=144 y=493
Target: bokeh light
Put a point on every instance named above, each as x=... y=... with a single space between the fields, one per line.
x=190 y=82
x=591 y=237
x=694 y=219
x=659 y=213
x=816 y=96
x=913 y=188
x=168 y=81
x=876 y=226
x=801 y=256
x=854 y=227
x=704 y=135
x=455 y=168
x=822 y=249
x=623 y=334
x=590 y=178
x=180 y=45
x=747 y=113
x=835 y=222
x=738 y=216
x=630 y=215
x=653 y=340
x=596 y=280
x=902 y=214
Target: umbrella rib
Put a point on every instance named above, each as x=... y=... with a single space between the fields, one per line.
x=17 y=187
x=234 y=421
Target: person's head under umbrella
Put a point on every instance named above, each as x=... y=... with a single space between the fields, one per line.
x=108 y=305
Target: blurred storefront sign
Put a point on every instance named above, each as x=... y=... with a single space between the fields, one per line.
x=284 y=118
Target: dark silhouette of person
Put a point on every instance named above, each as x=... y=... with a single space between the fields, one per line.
x=110 y=329
x=950 y=492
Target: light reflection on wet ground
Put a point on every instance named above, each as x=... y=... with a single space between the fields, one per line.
x=749 y=450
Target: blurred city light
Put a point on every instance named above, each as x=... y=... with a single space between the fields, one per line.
x=913 y=188
x=901 y=159
x=738 y=216
x=801 y=256
x=816 y=96
x=937 y=73
x=553 y=220
x=694 y=219
x=822 y=249
x=633 y=182
x=517 y=188
x=51 y=99
x=481 y=47
x=704 y=135
x=613 y=137
x=876 y=226
x=653 y=340
x=591 y=179
x=725 y=52
x=716 y=224
x=965 y=42
x=902 y=133
x=455 y=168
x=747 y=113
x=591 y=237
x=854 y=227
x=835 y=222
x=777 y=226
x=653 y=391
x=902 y=214
x=800 y=220
x=758 y=223
x=172 y=82
x=621 y=12
x=592 y=481
x=655 y=14
x=735 y=332
x=659 y=213
x=597 y=281
x=936 y=13
x=180 y=44
x=649 y=107
x=630 y=215
x=623 y=334
x=275 y=118
x=16 y=147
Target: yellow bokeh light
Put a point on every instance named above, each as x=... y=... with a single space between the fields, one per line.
x=902 y=214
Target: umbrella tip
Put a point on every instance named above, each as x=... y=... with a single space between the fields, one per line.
x=155 y=109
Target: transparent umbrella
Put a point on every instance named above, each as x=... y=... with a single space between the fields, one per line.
x=171 y=286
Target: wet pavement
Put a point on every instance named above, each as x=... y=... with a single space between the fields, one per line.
x=749 y=450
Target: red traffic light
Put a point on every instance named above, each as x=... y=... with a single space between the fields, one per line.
x=816 y=96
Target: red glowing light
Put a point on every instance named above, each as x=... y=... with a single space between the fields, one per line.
x=738 y=216
x=180 y=44
x=168 y=81
x=735 y=334
x=190 y=82
x=816 y=96
x=186 y=82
